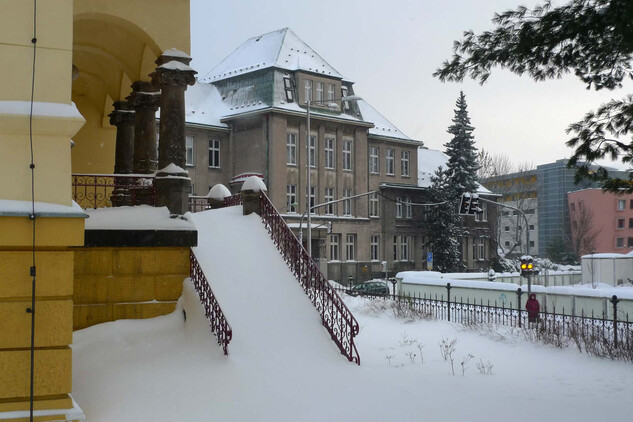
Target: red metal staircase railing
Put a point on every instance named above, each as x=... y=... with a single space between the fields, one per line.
x=335 y=316
x=219 y=326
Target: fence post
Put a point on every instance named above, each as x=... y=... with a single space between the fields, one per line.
x=519 y=293
x=614 y=300
x=448 y=300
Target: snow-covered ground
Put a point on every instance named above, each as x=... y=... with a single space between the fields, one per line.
x=282 y=365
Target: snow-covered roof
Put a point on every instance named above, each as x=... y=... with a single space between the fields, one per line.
x=429 y=160
x=382 y=126
x=204 y=106
x=281 y=48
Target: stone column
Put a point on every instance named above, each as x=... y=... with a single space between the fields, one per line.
x=172 y=76
x=144 y=100
x=123 y=119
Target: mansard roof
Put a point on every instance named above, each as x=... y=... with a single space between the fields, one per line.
x=281 y=49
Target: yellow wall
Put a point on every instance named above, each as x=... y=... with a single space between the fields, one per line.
x=118 y=283
x=116 y=43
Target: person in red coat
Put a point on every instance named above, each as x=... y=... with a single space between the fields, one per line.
x=533 y=308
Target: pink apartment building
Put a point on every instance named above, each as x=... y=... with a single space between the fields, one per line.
x=600 y=221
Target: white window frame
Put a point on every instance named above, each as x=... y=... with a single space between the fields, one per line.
x=619 y=242
x=390 y=161
x=347 y=204
x=408 y=209
x=399 y=201
x=330 y=91
x=404 y=164
x=374 y=160
x=374 y=205
x=288 y=89
x=374 y=248
x=481 y=255
x=330 y=146
x=405 y=247
x=347 y=154
x=291 y=198
x=189 y=157
x=621 y=204
x=346 y=105
x=312 y=151
x=329 y=197
x=214 y=153
x=291 y=149
x=334 y=247
x=319 y=91
x=307 y=84
x=350 y=247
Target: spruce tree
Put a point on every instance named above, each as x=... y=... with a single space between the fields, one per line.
x=461 y=151
x=444 y=227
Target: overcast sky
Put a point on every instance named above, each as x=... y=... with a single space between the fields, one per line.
x=390 y=49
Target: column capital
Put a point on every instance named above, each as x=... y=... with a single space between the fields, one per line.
x=144 y=95
x=122 y=115
x=174 y=73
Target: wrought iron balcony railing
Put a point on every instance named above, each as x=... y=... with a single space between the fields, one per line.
x=219 y=325
x=335 y=315
x=112 y=190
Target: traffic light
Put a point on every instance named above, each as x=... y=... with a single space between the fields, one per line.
x=469 y=204
x=464 y=206
x=527 y=266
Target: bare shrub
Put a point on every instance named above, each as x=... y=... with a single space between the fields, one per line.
x=447 y=348
x=485 y=368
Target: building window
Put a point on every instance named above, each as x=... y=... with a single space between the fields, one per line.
x=395 y=248
x=313 y=150
x=506 y=229
x=621 y=204
x=407 y=207
x=329 y=153
x=319 y=91
x=288 y=89
x=398 y=207
x=389 y=164
x=347 y=204
x=505 y=213
x=373 y=205
x=620 y=223
x=214 y=153
x=291 y=149
x=346 y=106
x=312 y=196
x=308 y=89
x=374 y=248
x=479 y=249
x=189 y=151
x=531 y=243
x=404 y=163
x=334 y=250
x=329 y=197
x=347 y=155
x=374 y=160
x=350 y=247
x=483 y=215
x=531 y=227
x=572 y=206
x=630 y=242
x=507 y=243
x=404 y=248
x=631 y=204
x=619 y=242
x=330 y=91
x=291 y=198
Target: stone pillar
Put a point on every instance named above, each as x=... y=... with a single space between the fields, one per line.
x=172 y=76
x=123 y=119
x=144 y=100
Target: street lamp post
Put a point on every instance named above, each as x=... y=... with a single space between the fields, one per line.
x=309 y=102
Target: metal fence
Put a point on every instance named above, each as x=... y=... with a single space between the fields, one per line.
x=113 y=190
x=613 y=331
x=219 y=325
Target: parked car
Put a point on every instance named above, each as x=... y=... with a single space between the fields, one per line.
x=370 y=288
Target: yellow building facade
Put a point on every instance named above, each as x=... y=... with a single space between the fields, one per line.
x=73 y=59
